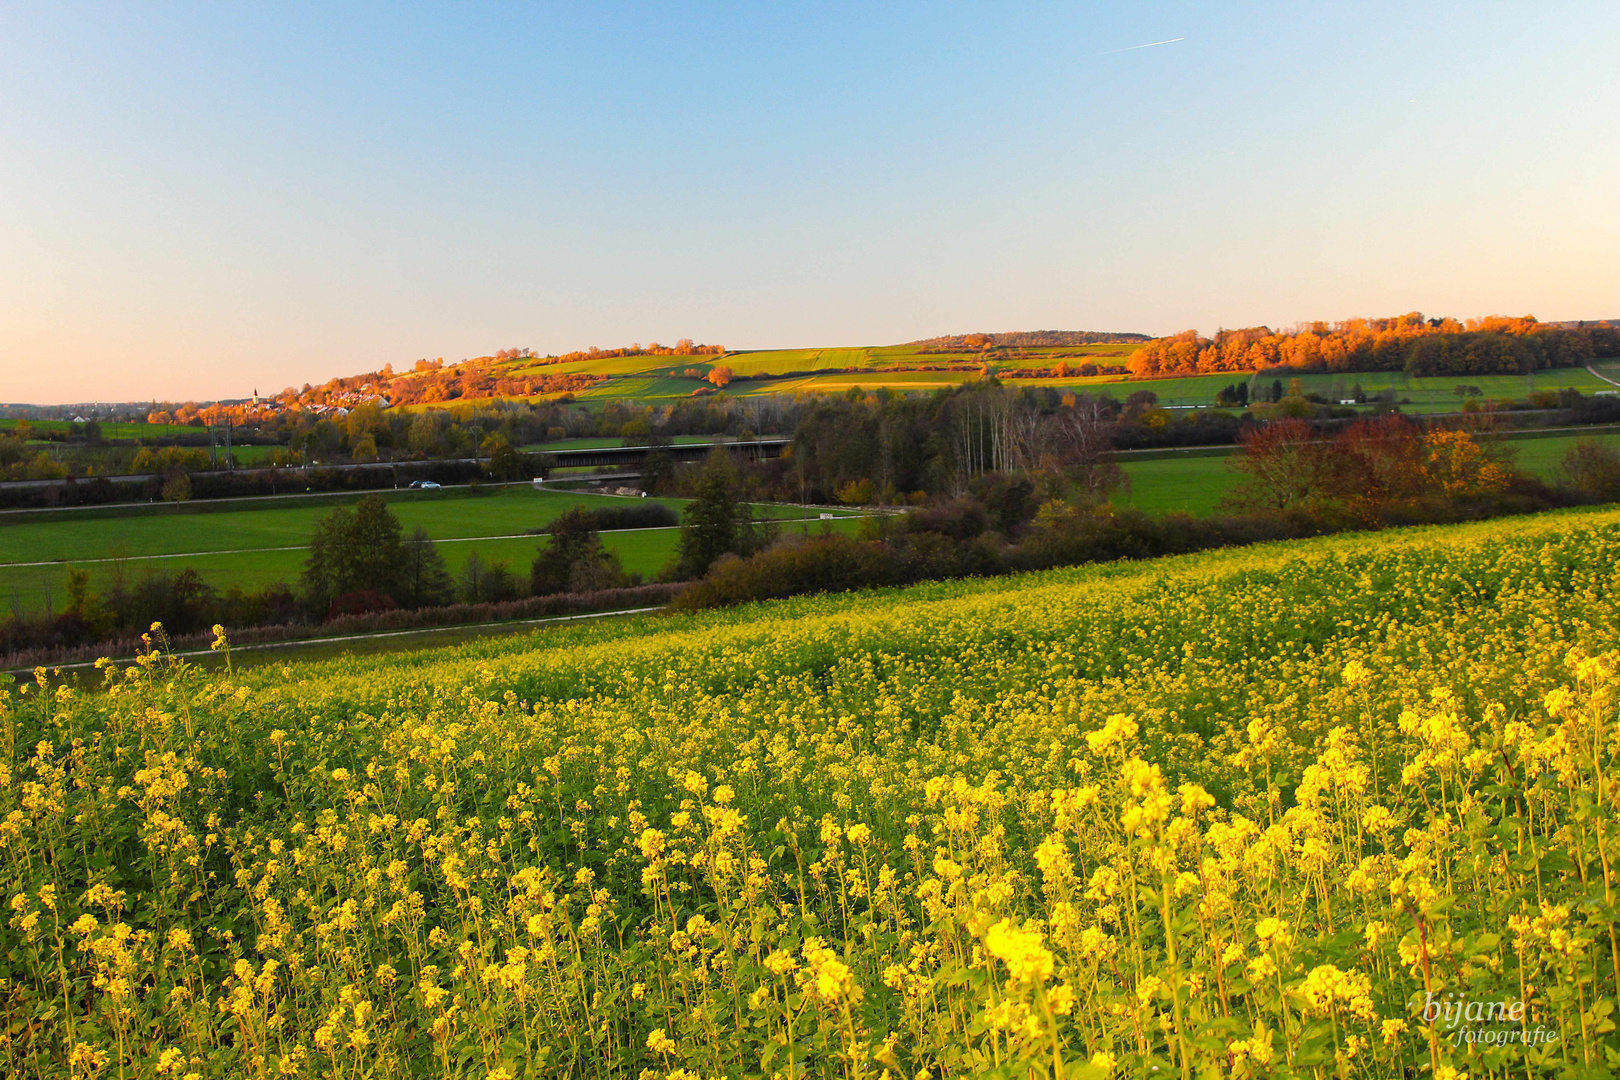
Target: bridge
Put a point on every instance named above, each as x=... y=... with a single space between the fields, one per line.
x=631 y=456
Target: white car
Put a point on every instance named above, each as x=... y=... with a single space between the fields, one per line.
x=425 y=485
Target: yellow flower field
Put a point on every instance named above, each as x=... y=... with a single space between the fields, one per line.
x=1333 y=808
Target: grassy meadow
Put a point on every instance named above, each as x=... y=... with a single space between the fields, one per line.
x=1162 y=481
x=113 y=429
x=259 y=546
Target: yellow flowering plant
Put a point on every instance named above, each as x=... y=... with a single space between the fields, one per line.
x=1339 y=807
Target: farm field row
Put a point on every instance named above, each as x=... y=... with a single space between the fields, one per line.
x=1136 y=820
x=650 y=378
x=1420 y=395
x=779 y=361
x=1427 y=394
x=453 y=513
x=449 y=514
x=775 y=361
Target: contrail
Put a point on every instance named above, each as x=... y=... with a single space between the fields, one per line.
x=1149 y=45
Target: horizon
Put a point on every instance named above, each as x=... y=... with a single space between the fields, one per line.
x=256 y=393
x=247 y=395
x=202 y=200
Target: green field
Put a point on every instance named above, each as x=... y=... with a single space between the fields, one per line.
x=111 y=429
x=1424 y=394
x=239 y=545
x=640 y=387
x=840 y=382
x=778 y=361
x=1195 y=483
x=257 y=547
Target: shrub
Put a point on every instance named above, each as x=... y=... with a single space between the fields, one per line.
x=641 y=515
x=360 y=602
x=1591 y=471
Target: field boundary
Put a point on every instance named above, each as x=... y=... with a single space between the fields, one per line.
x=1598 y=374
x=443 y=540
x=25 y=674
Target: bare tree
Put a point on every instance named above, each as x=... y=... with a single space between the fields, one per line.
x=1078 y=441
x=1022 y=438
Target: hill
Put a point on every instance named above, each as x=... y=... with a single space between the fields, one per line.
x=1262 y=806
x=658 y=371
x=1032 y=339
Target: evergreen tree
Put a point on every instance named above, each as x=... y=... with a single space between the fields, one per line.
x=328 y=567
x=574 y=559
x=710 y=528
x=486 y=581
x=379 y=554
x=425 y=580
x=716 y=521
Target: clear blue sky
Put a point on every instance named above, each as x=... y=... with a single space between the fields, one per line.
x=197 y=200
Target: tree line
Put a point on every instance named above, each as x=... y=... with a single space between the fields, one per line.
x=893 y=448
x=1295 y=482
x=1495 y=345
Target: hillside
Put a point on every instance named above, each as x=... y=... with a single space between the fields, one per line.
x=657 y=371
x=1026 y=339
x=1225 y=813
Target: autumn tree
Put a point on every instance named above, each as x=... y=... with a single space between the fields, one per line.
x=1283 y=467
x=1591 y=469
x=506 y=462
x=1456 y=464
x=1364 y=470
x=177 y=486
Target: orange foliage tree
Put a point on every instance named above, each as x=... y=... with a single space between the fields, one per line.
x=1493 y=345
x=1365 y=469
